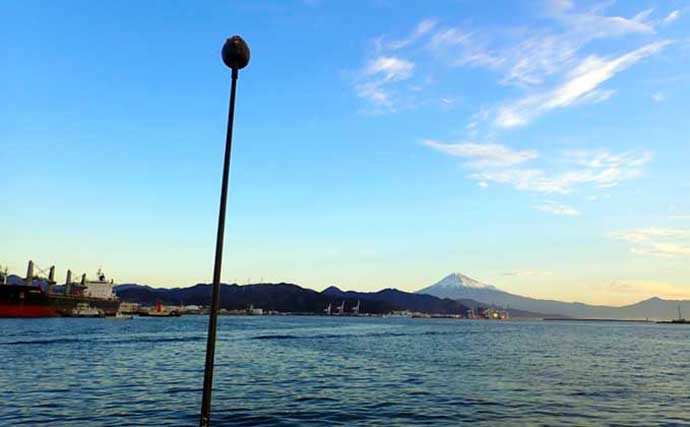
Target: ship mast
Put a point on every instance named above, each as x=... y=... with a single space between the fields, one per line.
x=30 y=274
x=68 y=282
x=51 y=279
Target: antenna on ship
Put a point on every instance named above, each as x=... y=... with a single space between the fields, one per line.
x=235 y=55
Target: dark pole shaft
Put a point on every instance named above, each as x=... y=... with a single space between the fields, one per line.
x=205 y=420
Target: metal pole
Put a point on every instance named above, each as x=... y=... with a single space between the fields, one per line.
x=236 y=56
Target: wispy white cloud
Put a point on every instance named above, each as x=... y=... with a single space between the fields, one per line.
x=671 y=17
x=658 y=97
x=596 y=169
x=651 y=233
x=557 y=208
x=580 y=85
x=608 y=169
x=390 y=68
x=544 y=60
x=375 y=80
x=595 y=25
x=484 y=155
x=640 y=289
x=500 y=164
x=664 y=242
x=596 y=96
x=373 y=92
x=460 y=48
x=448 y=102
x=528 y=273
x=424 y=27
x=597 y=197
x=532 y=61
x=539 y=53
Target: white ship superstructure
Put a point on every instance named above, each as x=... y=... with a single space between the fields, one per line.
x=100 y=288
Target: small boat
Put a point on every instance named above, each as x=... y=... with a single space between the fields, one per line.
x=85 y=310
x=120 y=316
x=160 y=311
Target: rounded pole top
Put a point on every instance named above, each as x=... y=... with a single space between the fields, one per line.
x=235 y=53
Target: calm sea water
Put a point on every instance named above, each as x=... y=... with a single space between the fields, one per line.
x=298 y=371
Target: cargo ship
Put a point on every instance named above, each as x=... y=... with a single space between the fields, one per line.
x=37 y=297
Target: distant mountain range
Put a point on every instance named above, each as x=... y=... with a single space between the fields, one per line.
x=428 y=304
x=281 y=297
x=458 y=286
x=402 y=300
x=454 y=294
x=286 y=297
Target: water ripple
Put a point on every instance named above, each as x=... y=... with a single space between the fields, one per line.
x=296 y=371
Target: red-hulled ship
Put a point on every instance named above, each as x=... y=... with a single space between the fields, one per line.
x=30 y=300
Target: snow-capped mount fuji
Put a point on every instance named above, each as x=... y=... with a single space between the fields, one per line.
x=460 y=287
x=450 y=285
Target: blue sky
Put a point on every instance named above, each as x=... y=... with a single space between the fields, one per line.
x=538 y=146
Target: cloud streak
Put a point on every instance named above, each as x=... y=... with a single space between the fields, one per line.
x=661 y=242
x=545 y=61
x=556 y=208
x=424 y=27
x=528 y=273
x=597 y=169
x=500 y=164
x=390 y=68
x=639 y=289
x=671 y=17
x=375 y=82
x=483 y=155
x=580 y=85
